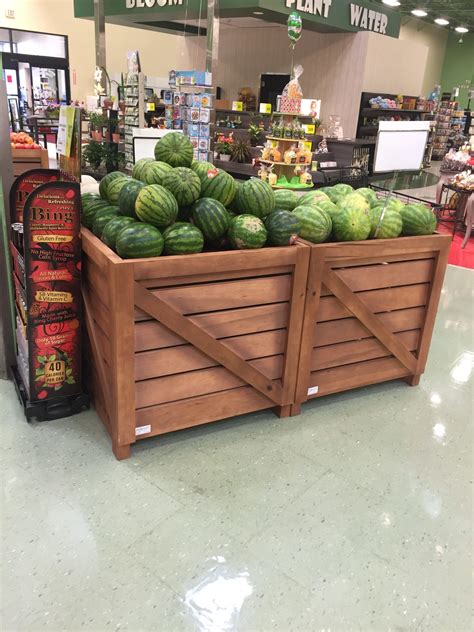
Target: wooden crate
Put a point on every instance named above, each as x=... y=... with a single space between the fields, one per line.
x=26 y=159
x=370 y=312
x=181 y=341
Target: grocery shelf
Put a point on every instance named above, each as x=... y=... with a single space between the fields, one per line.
x=286 y=164
x=385 y=111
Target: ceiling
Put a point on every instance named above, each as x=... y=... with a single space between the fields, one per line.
x=458 y=12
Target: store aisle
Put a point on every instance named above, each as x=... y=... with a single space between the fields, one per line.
x=354 y=516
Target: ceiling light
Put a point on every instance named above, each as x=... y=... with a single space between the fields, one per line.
x=442 y=21
x=392 y=3
x=258 y=12
x=461 y=29
x=420 y=13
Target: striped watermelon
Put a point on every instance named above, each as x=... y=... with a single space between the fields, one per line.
x=328 y=206
x=175 y=149
x=285 y=200
x=156 y=205
x=128 y=196
x=112 y=229
x=368 y=194
x=102 y=218
x=153 y=172
x=283 y=228
x=212 y=218
x=316 y=224
x=183 y=239
x=107 y=180
x=139 y=241
x=220 y=186
x=313 y=197
x=90 y=209
x=88 y=198
x=139 y=167
x=418 y=219
x=352 y=223
x=387 y=228
x=232 y=207
x=184 y=184
x=247 y=232
x=202 y=168
x=342 y=189
x=170 y=228
x=255 y=197
x=114 y=188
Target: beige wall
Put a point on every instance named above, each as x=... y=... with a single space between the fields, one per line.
x=411 y=64
x=333 y=65
x=159 y=51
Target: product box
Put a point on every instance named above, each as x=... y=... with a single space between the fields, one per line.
x=196 y=154
x=177 y=113
x=177 y=124
x=204 y=144
x=194 y=141
x=185 y=128
x=205 y=130
x=194 y=129
x=169 y=112
x=290 y=105
x=205 y=115
x=194 y=115
x=202 y=156
x=168 y=97
x=168 y=124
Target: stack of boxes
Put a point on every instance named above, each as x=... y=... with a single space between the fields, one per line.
x=189 y=109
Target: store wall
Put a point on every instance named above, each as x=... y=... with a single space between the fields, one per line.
x=332 y=65
x=458 y=67
x=411 y=64
x=159 y=51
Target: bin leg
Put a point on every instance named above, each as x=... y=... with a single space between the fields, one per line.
x=413 y=380
x=121 y=451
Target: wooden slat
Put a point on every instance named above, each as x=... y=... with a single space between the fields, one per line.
x=387 y=300
x=200 y=410
x=185 y=385
x=209 y=262
x=359 y=308
x=173 y=360
x=367 y=261
x=386 y=275
x=96 y=348
x=345 y=377
x=382 y=248
x=97 y=279
x=153 y=335
x=97 y=250
x=357 y=351
x=173 y=319
x=196 y=299
x=334 y=331
x=212 y=277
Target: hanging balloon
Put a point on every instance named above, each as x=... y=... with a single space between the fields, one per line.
x=295 y=27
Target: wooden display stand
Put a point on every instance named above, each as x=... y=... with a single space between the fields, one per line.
x=181 y=341
x=27 y=159
x=370 y=312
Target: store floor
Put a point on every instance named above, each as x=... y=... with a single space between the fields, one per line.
x=357 y=515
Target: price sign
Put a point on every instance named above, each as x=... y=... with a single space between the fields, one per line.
x=309 y=129
x=237 y=106
x=308 y=145
x=150 y=107
x=265 y=108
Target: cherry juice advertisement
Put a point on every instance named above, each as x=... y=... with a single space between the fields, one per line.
x=53 y=279
x=26 y=184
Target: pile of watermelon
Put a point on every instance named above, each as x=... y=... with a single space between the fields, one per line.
x=175 y=206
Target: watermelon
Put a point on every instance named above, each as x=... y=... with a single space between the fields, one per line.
x=89 y=211
x=352 y=223
x=220 y=186
x=102 y=217
x=328 y=206
x=128 y=196
x=342 y=189
x=255 y=197
x=185 y=214
x=170 y=228
x=156 y=205
x=232 y=207
x=283 y=228
x=114 y=189
x=333 y=195
x=246 y=232
x=175 y=149
x=418 y=219
x=285 y=200
x=184 y=184
x=112 y=229
x=183 y=239
x=139 y=167
x=88 y=198
x=202 y=169
x=106 y=181
x=388 y=227
x=153 y=172
x=139 y=241
x=212 y=218
x=312 y=197
x=316 y=224
x=368 y=194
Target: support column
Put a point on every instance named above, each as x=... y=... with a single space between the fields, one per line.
x=100 y=58
x=212 y=44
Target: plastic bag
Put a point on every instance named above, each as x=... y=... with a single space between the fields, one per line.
x=292 y=89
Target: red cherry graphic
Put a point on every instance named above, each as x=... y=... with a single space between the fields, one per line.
x=79 y=265
x=70 y=194
x=53 y=179
x=42 y=394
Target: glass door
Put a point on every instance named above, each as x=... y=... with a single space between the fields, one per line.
x=44 y=82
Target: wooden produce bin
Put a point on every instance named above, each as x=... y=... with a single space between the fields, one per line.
x=180 y=341
x=26 y=159
x=370 y=312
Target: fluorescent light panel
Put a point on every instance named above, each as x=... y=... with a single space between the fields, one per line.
x=420 y=13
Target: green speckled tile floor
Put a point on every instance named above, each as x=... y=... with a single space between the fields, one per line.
x=357 y=515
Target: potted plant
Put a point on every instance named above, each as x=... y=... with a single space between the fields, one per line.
x=93 y=154
x=97 y=122
x=224 y=146
x=256 y=134
x=241 y=152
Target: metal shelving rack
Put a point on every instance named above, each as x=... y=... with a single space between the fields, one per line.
x=134 y=117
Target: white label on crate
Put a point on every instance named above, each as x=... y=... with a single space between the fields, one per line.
x=313 y=390
x=141 y=430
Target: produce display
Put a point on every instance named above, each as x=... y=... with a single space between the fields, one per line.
x=21 y=140
x=198 y=207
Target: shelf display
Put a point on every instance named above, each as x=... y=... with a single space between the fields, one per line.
x=134 y=116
